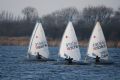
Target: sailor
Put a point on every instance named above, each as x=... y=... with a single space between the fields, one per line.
x=38 y=56
x=97 y=59
x=69 y=60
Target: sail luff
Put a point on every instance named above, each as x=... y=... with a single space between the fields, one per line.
x=31 y=39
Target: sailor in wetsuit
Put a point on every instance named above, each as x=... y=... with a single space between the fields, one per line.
x=97 y=59
x=69 y=60
x=38 y=56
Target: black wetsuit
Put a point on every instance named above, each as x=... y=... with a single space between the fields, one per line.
x=97 y=59
x=39 y=56
x=69 y=60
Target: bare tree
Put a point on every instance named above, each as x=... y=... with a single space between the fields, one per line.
x=66 y=14
x=56 y=22
x=6 y=16
x=117 y=15
x=100 y=13
x=30 y=13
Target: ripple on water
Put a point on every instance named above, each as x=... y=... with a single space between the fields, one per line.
x=14 y=66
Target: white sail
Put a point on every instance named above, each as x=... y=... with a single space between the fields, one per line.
x=97 y=44
x=69 y=45
x=38 y=42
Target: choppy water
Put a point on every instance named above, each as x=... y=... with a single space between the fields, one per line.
x=14 y=66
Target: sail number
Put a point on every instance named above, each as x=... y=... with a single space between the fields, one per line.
x=99 y=45
x=72 y=45
x=40 y=45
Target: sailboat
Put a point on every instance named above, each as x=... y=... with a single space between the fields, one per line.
x=97 y=44
x=69 y=45
x=38 y=43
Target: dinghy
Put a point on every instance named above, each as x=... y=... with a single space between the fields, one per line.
x=69 y=47
x=97 y=45
x=38 y=44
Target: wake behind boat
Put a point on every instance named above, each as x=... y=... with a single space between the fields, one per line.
x=38 y=47
x=64 y=62
x=97 y=46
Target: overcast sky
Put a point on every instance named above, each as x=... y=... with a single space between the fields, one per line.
x=47 y=6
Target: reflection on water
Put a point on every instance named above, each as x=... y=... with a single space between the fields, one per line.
x=14 y=66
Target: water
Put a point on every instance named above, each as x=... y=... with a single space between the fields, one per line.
x=14 y=66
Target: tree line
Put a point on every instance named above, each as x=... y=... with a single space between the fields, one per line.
x=55 y=23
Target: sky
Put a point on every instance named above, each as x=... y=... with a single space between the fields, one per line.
x=48 y=6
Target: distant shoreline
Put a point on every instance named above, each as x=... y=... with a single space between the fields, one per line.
x=24 y=41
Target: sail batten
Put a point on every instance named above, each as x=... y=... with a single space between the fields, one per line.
x=97 y=44
x=69 y=45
